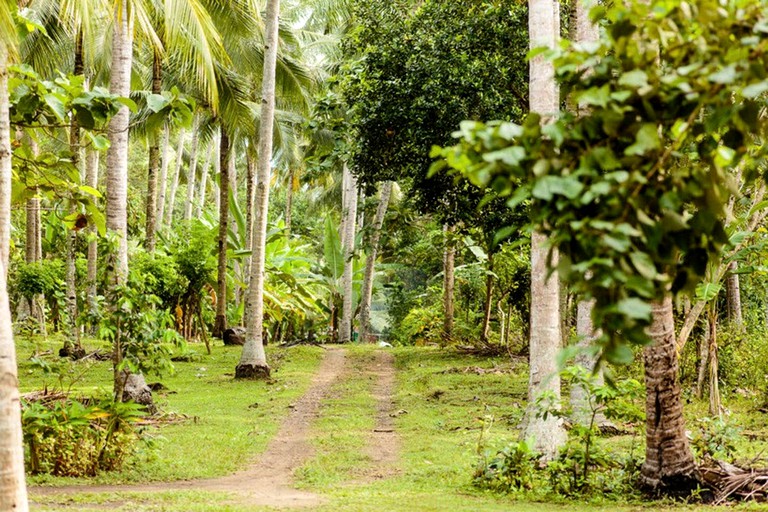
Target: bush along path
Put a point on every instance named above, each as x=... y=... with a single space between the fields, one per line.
x=269 y=482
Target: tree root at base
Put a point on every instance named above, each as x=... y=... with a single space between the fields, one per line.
x=252 y=371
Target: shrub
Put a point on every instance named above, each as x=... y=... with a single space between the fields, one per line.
x=68 y=438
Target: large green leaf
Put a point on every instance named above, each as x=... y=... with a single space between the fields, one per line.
x=334 y=258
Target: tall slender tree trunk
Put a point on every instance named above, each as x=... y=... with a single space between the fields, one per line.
x=220 y=323
x=449 y=263
x=250 y=198
x=545 y=335
x=701 y=374
x=162 y=185
x=192 y=171
x=370 y=261
x=349 y=218
x=92 y=180
x=72 y=347
x=253 y=362
x=5 y=163
x=154 y=159
x=488 y=304
x=289 y=201
x=126 y=385
x=733 y=295
x=715 y=408
x=204 y=178
x=669 y=464
x=13 y=491
x=171 y=203
x=233 y=187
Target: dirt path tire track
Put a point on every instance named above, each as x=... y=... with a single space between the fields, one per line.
x=269 y=481
x=384 y=445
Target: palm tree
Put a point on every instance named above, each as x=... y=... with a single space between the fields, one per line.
x=13 y=491
x=253 y=361
x=545 y=336
x=348 y=218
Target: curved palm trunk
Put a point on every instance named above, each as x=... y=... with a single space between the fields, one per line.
x=370 y=262
x=253 y=362
x=13 y=491
x=349 y=218
x=175 y=183
x=192 y=171
x=669 y=464
x=154 y=160
x=449 y=281
x=220 y=324
x=163 y=179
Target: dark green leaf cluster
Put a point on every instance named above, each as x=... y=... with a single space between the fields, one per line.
x=422 y=69
x=632 y=188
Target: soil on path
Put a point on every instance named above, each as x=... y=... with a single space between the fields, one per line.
x=269 y=481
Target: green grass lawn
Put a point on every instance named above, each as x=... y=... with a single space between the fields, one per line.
x=444 y=401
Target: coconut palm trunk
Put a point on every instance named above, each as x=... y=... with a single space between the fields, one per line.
x=5 y=163
x=733 y=295
x=204 y=178
x=92 y=180
x=162 y=181
x=192 y=170
x=289 y=202
x=370 y=261
x=348 y=222
x=253 y=361
x=175 y=182
x=13 y=491
x=669 y=464
x=545 y=327
x=72 y=347
x=220 y=323
x=154 y=160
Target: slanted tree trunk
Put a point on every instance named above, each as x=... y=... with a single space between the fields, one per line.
x=253 y=362
x=163 y=179
x=733 y=295
x=154 y=160
x=669 y=466
x=127 y=386
x=449 y=259
x=545 y=332
x=192 y=171
x=171 y=203
x=370 y=261
x=349 y=217
x=13 y=491
x=220 y=323
x=204 y=178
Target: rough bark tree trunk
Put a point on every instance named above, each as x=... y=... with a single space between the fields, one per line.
x=72 y=347
x=220 y=323
x=715 y=408
x=669 y=466
x=5 y=163
x=449 y=259
x=348 y=221
x=370 y=261
x=253 y=362
x=154 y=159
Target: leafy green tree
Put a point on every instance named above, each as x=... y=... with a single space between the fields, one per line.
x=633 y=194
